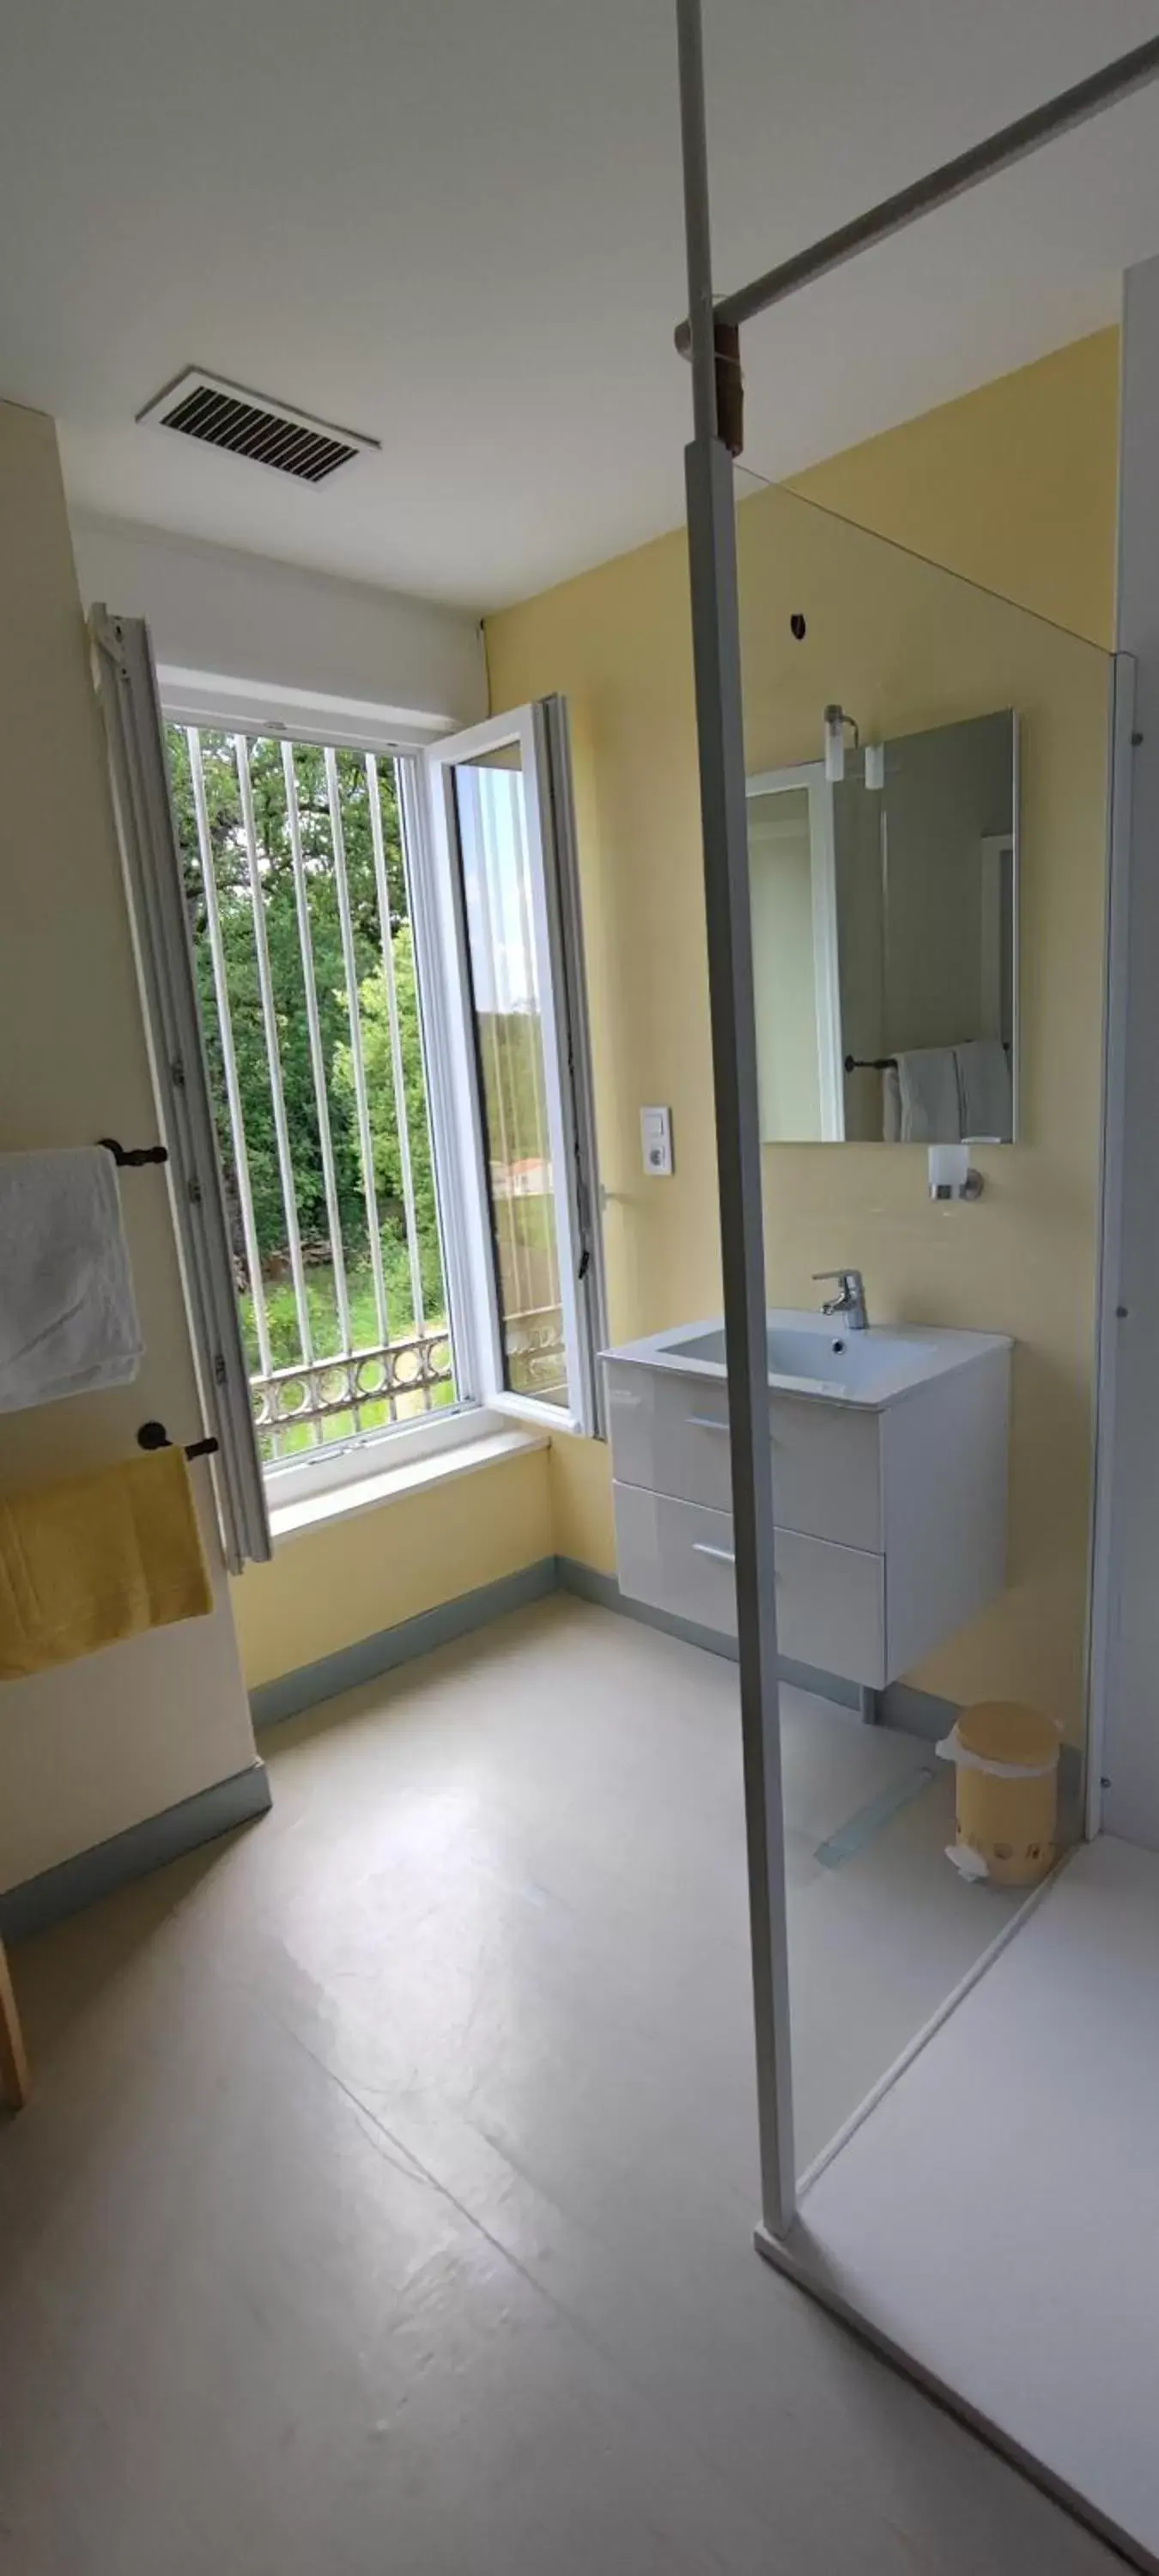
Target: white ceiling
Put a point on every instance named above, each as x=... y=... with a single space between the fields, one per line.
x=456 y=224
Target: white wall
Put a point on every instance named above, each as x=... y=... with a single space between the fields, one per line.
x=215 y=609
x=98 y=1745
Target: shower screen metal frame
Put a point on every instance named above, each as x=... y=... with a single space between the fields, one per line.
x=710 y=334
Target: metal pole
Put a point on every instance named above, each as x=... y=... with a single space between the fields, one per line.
x=716 y=650
x=357 y=1059
x=397 y=1072
x=317 y=1055
x=697 y=232
x=1000 y=151
x=241 y=753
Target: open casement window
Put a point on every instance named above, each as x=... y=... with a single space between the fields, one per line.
x=363 y=985
x=517 y=1060
x=127 y=688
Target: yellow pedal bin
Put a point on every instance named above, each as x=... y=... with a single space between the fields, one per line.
x=1006 y=1762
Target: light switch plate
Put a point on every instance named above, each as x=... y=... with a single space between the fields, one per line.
x=656 y=1142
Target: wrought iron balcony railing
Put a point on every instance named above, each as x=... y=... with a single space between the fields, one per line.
x=357 y=1391
x=389 y=1383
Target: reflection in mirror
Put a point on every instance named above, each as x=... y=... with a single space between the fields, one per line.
x=884 y=922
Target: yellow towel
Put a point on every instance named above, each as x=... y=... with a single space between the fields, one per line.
x=99 y=1558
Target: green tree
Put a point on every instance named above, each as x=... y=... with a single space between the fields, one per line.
x=239 y=957
x=388 y=1163
x=238 y=967
x=511 y=1060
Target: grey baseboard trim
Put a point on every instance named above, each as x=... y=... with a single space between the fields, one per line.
x=51 y=1895
x=292 y=1692
x=72 y=1884
x=589 y=1584
x=910 y=1711
x=914 y=1712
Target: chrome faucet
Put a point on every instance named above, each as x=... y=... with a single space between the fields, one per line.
x=850 y=1298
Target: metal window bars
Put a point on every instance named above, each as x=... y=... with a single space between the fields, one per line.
x=317 y=1058
x=397 y=1069
x=334 y=1383
x=357 y=1058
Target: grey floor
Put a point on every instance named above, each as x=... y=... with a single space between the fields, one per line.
x=386 y=2199
x=1033 y=2111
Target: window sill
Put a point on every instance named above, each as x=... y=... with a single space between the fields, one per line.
x=395 y=1484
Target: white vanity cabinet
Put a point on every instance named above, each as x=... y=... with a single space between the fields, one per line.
x=889 y=1491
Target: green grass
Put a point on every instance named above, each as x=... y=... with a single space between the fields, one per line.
x=322 y=1304
x=526 y=1229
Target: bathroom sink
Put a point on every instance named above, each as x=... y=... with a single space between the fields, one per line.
x=812 y=1354
x=888 y=1458
x=818 y=1351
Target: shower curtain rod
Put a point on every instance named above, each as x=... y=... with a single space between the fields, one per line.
x=1000 y=151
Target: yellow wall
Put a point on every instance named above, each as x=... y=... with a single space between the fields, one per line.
x=328 y=1586
x=983 y=482
x=1013 y=486
x=96 y=1746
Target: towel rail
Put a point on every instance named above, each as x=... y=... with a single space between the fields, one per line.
x=130 y=1157
x=153 y=1435
x=871 y=1064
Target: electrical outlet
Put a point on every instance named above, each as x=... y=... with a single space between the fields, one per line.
x=656 y=1141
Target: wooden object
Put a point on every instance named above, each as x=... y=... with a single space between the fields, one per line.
x=14 y=2079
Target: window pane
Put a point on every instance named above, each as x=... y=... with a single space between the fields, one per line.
x=492 y=822
x=784 y=976
x=311 y=1022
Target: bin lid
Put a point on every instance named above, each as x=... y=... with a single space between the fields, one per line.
x=1002 y=1730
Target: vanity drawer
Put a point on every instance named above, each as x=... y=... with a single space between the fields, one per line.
x=670 y=1434
x=831 y=1608
x=830 y=1600
x=677 y=1556
x=826 y=1471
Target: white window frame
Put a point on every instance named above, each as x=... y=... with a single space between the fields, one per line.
x=402 y=1444
x=540 y=733
x=249 y=1490
x=126 y=683
x=370 y=1453
x=214 y=707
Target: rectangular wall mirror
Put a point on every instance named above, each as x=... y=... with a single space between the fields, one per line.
x=885 y=940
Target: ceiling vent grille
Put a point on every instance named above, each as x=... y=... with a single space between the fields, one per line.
x=248 y=424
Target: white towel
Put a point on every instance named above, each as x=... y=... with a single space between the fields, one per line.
x=931 y=1110
x=68 y=1318
x=987 y=1097
x=890 y=1106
